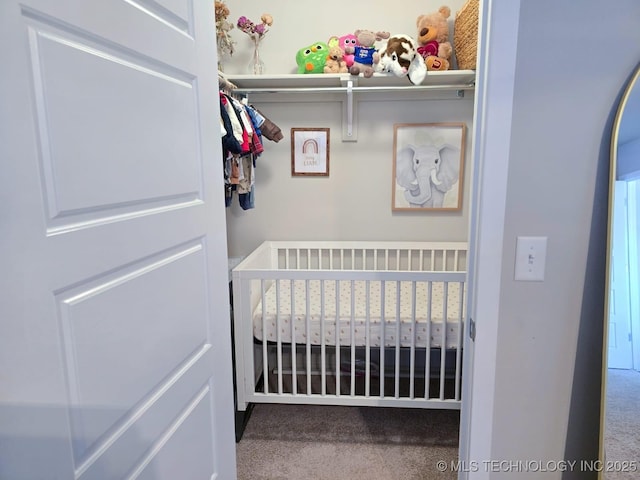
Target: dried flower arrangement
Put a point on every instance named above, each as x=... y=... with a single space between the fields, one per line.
x=223 y=27
x=255 y=31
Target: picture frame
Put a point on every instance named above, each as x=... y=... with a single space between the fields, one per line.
x=310 y=152
x=428 y=166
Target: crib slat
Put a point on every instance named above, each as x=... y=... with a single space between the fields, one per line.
x=383 y=345
x=412 y=361
x=397 y=372
x=308 y=333
x=297 y=259
x=427 y=360
x=433 y=260
x=323 y=348
x=294 y=367
x=278 y=338
x=367 y=339
x=352 y=333
x=443 y=347
x=265 y=357
x=337 y=328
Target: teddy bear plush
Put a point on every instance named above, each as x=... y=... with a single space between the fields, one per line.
x=335 y=62
x=433 y=39
x=366 y=54
x=347 y=43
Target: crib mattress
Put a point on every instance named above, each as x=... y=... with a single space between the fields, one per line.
x=425 y=331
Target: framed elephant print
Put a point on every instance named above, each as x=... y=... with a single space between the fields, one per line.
x=428 y=165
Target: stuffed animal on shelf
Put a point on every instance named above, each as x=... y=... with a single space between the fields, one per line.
x=401 y=58
x=433 y=39
x=366 y=54
x=335 y=62
x=312 y=59
x=347 y=43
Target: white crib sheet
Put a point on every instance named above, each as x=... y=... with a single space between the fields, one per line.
x=422 y=332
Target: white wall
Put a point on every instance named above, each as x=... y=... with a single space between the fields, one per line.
x=354 y=202
x=549 y=334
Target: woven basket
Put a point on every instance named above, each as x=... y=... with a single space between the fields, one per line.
x=465 y=35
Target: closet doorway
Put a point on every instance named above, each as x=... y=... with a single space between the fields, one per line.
x=333 y=203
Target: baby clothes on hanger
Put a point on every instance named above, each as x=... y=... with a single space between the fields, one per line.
x=243 y=128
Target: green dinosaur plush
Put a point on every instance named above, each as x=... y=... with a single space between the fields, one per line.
x=312 y=59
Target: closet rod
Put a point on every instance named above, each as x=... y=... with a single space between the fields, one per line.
x=414 y=88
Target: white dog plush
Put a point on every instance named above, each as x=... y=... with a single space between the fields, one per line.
x=400 y=56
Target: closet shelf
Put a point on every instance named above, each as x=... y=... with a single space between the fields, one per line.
x=456 y=80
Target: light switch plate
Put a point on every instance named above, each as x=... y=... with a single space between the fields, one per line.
x=531 y=253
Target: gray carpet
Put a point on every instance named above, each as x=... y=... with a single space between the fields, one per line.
x=622 y=431
x=309 y=442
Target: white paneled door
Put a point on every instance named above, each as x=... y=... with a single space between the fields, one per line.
x=115 y=345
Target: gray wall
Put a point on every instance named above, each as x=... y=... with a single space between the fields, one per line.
x=548 y=362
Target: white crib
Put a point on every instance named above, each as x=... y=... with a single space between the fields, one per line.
x=317 y=323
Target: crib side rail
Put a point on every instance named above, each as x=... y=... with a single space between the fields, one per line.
x=372 y=244
x=370 y=256
x=392 y=275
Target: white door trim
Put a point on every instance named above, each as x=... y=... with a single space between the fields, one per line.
x=498 y=39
